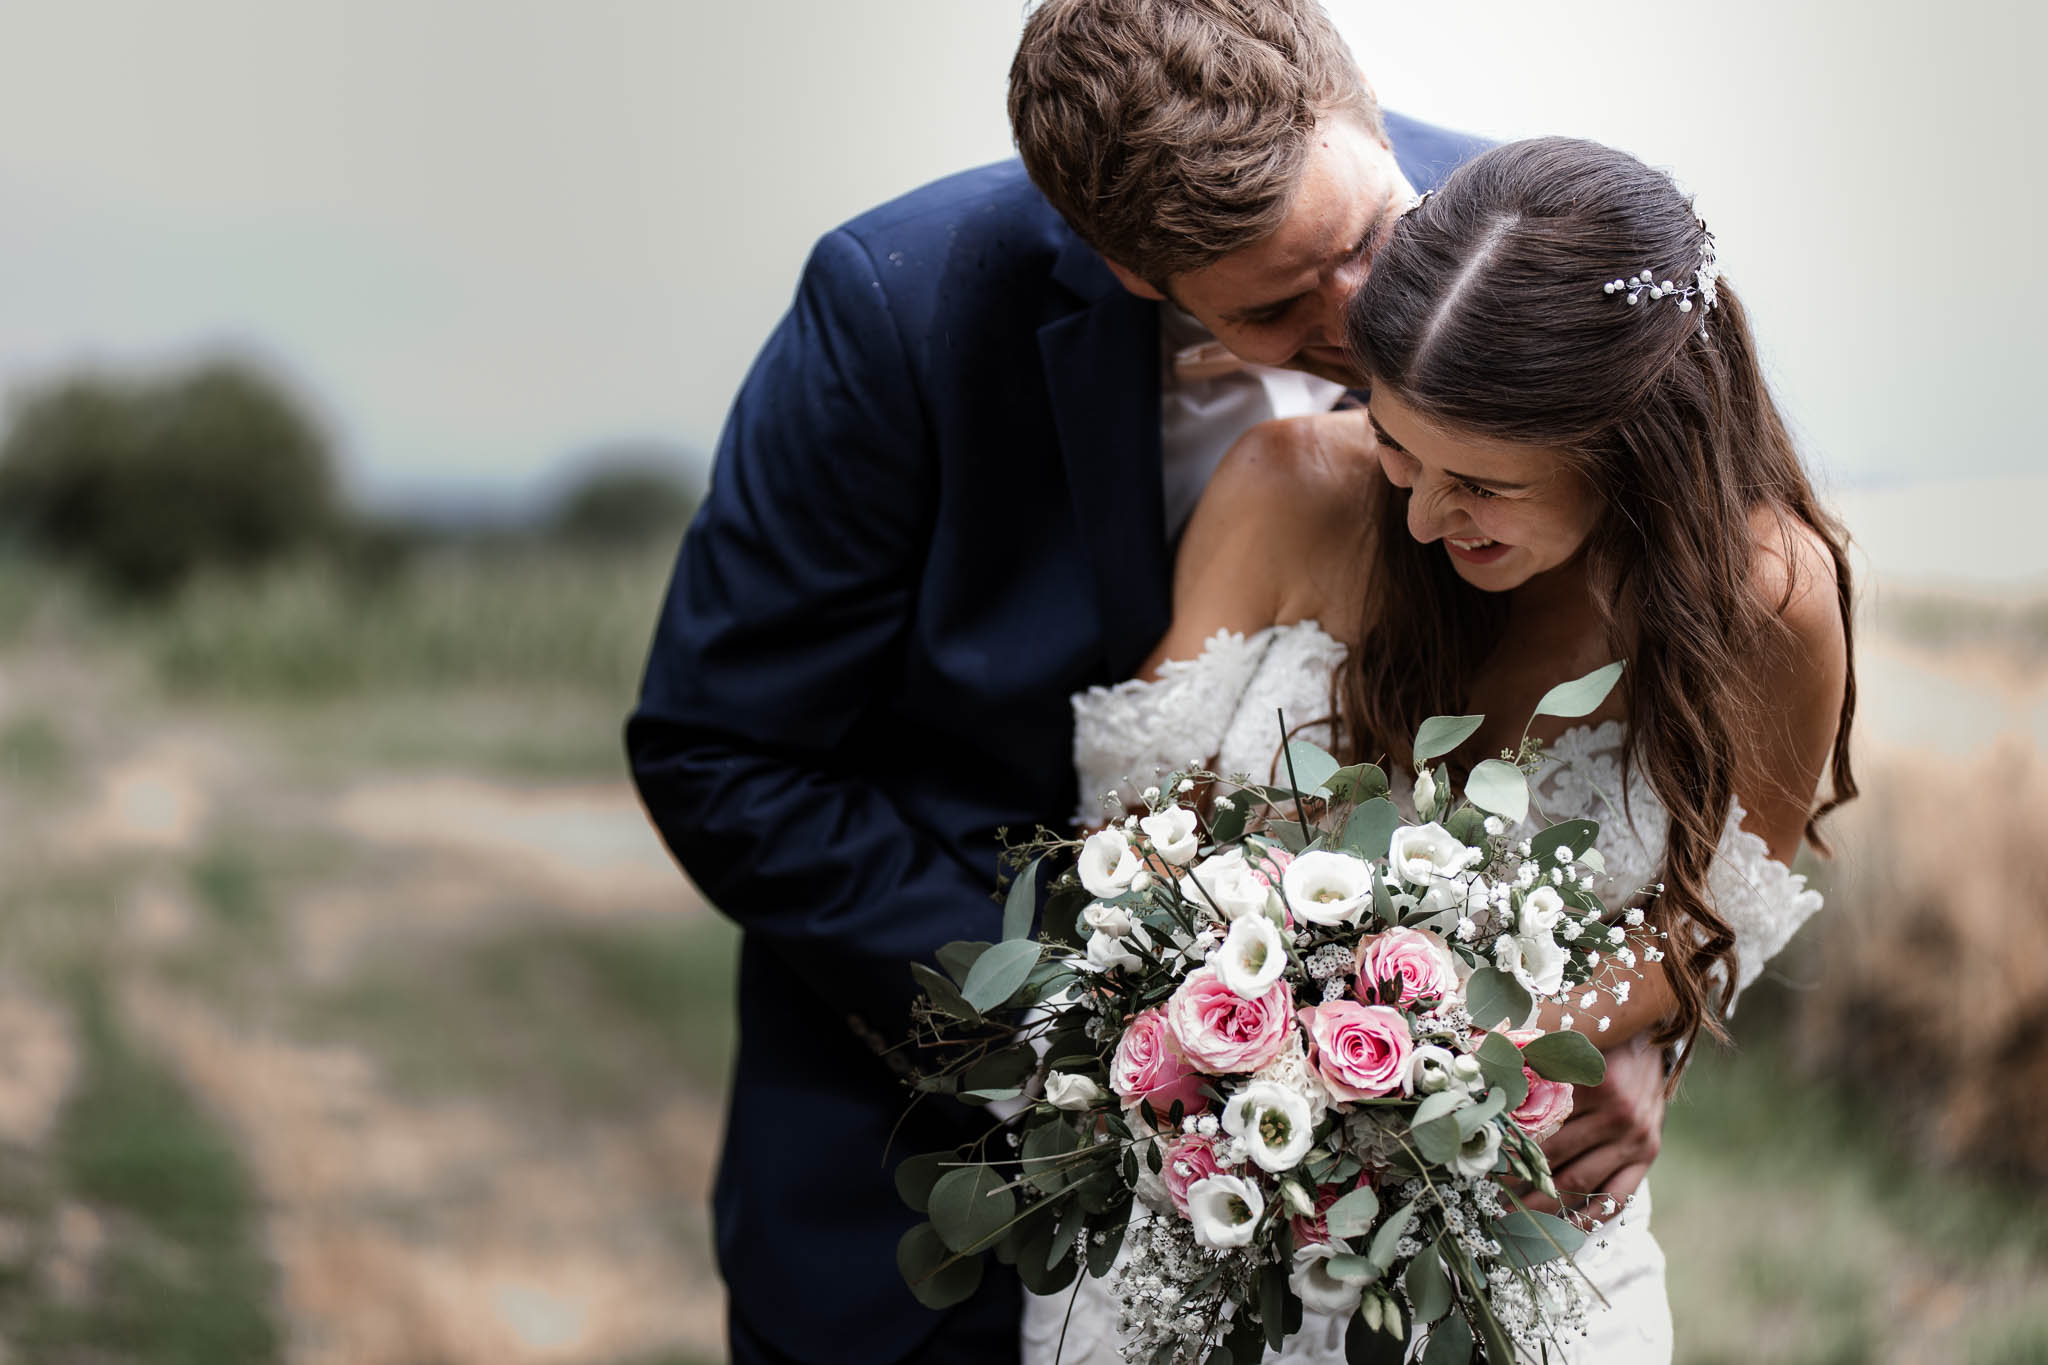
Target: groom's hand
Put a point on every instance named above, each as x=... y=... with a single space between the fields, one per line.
x=1605 y=1148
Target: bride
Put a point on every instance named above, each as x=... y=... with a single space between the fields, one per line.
x=1571 y=456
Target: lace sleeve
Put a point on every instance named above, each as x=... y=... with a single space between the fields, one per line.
x=1137 y=730
x=1763 y=900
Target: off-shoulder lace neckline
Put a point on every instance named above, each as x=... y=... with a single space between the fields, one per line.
x=1594 y=737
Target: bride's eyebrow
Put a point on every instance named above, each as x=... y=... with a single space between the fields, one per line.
x=1499 y=485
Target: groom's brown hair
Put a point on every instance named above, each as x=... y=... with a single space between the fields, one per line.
x=1170 y=133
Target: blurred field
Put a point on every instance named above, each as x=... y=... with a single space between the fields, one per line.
x=352 y=1015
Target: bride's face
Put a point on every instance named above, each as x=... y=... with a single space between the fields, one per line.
x=1505 y=513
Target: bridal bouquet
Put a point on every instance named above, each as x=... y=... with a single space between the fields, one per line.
x=1276 y=1057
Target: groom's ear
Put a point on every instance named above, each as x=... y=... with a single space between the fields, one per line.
x=1133 y=282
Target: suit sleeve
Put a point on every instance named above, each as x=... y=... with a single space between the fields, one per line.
x=791 y=595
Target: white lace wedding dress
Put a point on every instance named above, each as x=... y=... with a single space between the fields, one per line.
x=1223 y=704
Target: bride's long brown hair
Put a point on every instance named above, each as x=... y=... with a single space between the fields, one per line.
x=1485 y=312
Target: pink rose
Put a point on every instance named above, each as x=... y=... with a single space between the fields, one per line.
x=1188 y=1160
x=1416 y=958
x=1361 y=1051
x=1222 y=1032
x=1149 y=1066
x=1267 y=864
x=1548 y=1104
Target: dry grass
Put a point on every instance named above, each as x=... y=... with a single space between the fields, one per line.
x=1934 y=996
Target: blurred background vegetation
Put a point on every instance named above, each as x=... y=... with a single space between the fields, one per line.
x=352 y=1013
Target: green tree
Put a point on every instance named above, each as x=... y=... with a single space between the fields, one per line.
x=627 y=497
x=142 y=482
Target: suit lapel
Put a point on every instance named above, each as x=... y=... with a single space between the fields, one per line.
x=1102 y=370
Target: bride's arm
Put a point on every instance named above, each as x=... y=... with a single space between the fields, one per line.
x=1277 y=535
x=1607 y=1146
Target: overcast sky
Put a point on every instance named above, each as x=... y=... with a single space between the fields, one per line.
x=482 y=235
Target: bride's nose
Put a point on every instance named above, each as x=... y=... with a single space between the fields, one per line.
x=1427 y=520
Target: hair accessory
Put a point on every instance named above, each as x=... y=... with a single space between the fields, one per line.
x=1704 y=280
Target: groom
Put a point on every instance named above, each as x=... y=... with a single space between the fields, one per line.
x=946 y=499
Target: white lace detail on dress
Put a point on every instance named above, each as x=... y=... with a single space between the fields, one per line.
x=1127 y=736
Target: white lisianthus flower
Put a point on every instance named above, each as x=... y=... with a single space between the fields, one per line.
x=1530 y=954
x=1477 y=1153
x=1423 y=855
x=1328 y=888
x=1108 y=866
x=1536 y=961
x=1542 y=911
x=1107 y=953
x=1429 y=1069
x=1252 y=957
x=1103 y=918
x=1227 y=883
x=1064 y=1090
x=1225 y=1210
x=1172 y=832
x=1318 y=1290
x=1272 y=1122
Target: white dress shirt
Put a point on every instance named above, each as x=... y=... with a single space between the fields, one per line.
x=1200 y=419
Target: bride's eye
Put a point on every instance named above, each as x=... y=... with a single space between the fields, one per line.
x=1477 y=490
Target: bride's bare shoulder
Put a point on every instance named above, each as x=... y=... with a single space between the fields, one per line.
x=1279 y=534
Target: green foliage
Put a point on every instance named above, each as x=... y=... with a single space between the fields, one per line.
x=627 y=499
x=134 y=1144
x=465 y=617
x=1440 y=734
x=143 y=483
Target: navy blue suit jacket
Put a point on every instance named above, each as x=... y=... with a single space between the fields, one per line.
x=936 y=513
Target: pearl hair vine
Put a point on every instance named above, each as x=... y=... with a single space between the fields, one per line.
x=1702 y=288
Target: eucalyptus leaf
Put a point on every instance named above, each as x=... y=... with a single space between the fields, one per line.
x=1102 y=1253
x=1370 y=828
x=1438 y=1140
x=1581 y=696
x=915 y=1176
x=1491 y=996
x=1500 y=1062
x=1381 y=1252
x=1358 y=782
x=1289 y=836
x=1351 y=1269
x=1273 y=1302
x=1437 y=1105
x=1429 y=1289
x=1008 y=1092
x=941 y=993
x=1475 y=1116
x=999 y=972
x=923 y=1258
x=1312 y=766
x=1007 y=1069
x=1353 y=1214
x=1566 y=1056
x=1467 y=825
x=958 y=958
x=1439 y=735
x=1577 y=835
x=1022 y=903
x=1499 y=786
x=1046 y=1151
x=969 y=1206
x=1450 y=1343
x=1528 y=1238
x=1227 y=826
